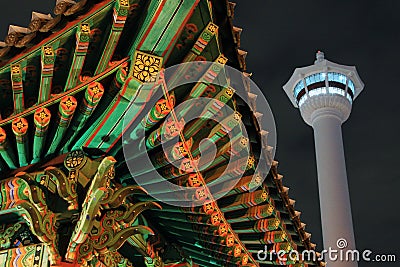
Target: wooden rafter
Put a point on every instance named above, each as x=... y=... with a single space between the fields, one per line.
x=47 y=69
x=120 y=14
x=78 y=58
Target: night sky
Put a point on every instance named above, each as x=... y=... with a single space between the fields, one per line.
x=282 y=35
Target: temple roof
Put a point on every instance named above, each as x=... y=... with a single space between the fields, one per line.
x=68 y=79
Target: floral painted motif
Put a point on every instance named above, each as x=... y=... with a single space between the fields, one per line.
x=146 y=67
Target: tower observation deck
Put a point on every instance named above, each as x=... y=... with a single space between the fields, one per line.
x=324 y=93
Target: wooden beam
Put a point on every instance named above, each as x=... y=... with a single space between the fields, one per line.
x=82 y=45
x=47 y=63
x=66 y=110
x=205 y=37
x=121 y=10
x=190 y=72
x=58 y=97
x=134 y=95
x=17 y=87
x=208 y=77
x=20 y=129
x=41 y=118
x=156 y=35
x=93 y=94
x=6 y=151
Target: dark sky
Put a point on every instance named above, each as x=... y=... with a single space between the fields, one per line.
x=282 y=35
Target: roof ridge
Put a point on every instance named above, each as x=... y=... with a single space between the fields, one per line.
x=20 y=36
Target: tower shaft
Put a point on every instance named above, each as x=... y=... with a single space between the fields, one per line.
x=336 y=217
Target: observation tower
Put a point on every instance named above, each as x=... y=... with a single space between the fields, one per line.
x=324 y=93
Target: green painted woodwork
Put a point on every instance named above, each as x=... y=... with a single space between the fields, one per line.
x=20 y=129
x=165 y=44
x=153 y=6
x=47 y=64
x=120 y=14
x=159 y=12
x=17 y=88
x=205 y=112
x=91 y=206
x=31 y=70
x=205 y=37
x=16 y=195
x=56 y=98
x=93 y=95
x=42 y=119
x=132 y=97
x=6 y=151
x=190 y=36
x=66 y=110
x=82 y=45
x=34 y=255
x=160 y=110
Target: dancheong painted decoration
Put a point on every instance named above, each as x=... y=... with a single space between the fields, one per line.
x=68 y=196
